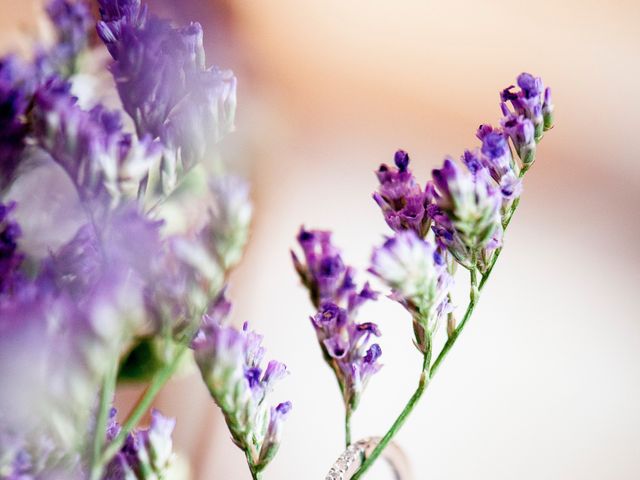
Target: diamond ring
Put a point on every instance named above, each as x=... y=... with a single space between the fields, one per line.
x=351 y=459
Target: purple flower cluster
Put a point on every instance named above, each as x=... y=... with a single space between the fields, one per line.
x=468 y=205
x=72 y=21
x=10 y=257
x=465 y=211
x=19 y=79
x=532 y=107
x=230 y=362
x=345 y=343
x=67 y=320
x=402 y=200
x=105 y=164
x=163 y=82
x=145 y=453
x=418 y=277
x=347 y=349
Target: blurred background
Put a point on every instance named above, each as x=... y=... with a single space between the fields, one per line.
x=545 y=382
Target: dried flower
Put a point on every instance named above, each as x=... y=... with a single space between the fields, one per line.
x=104 y=163
x=347 y=349
x=72 y=21
x=529 y=102
x=230 y=217
x=146 y=454
x=417 y=274
x=465 y=211
x=230 y=363
x=10 y=257
x=323 y=272
x=400 y=197
x=163 y=83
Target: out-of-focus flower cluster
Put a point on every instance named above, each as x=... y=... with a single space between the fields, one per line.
x=146 y=453
x=68 y=320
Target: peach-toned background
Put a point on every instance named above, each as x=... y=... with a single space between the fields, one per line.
x=545 y=381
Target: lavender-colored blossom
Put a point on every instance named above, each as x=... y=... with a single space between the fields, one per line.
x=229 y=219
x=400 y=197
x=55 y=352
x=104 y=163
x=530 y=102
x=164 y=85
x=11 y=258
x=417 y=274
x=333 y=292
x=146 y=453
x=347 y=348
x=72 y=21
x=495 y=156
x=323 y=271
x=547 y=109
x=14 y=100
x=522 y=133
x=465 y=211
x=230 y=363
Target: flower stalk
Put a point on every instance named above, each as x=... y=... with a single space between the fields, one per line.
x=144 y=403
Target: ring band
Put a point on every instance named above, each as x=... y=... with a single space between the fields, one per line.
x=351 y=459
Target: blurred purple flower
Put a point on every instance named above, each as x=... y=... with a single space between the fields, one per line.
x=11 y=259
x=146 y=453
x=104 y=163
x=163 y=82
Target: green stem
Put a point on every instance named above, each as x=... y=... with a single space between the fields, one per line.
x=347 y=426
x=140 y=409
x=256 y=473
x=106 y=397
x=422 y=386
x=473 y=301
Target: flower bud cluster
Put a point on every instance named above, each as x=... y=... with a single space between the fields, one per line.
x=230 y=361
x=345 y=342
x=417 y=274
x=146 y=454
x=400 y=197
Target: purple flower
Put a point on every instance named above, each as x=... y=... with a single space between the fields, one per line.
x=496 y=158
x=72 y=21
x=162 y=80
x=14 y=99
x=104 y=163
x=323 y=271
x=547 y=109
x=346 y=345
x=529 y=102
x=417 y=275
x=465 y=211
x=145 y=453
x=230 y=363
x=522 y=133
x=402 y=201
x=11 y=278
x=334 y=293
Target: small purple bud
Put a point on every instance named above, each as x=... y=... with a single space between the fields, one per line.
x=401 y=159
